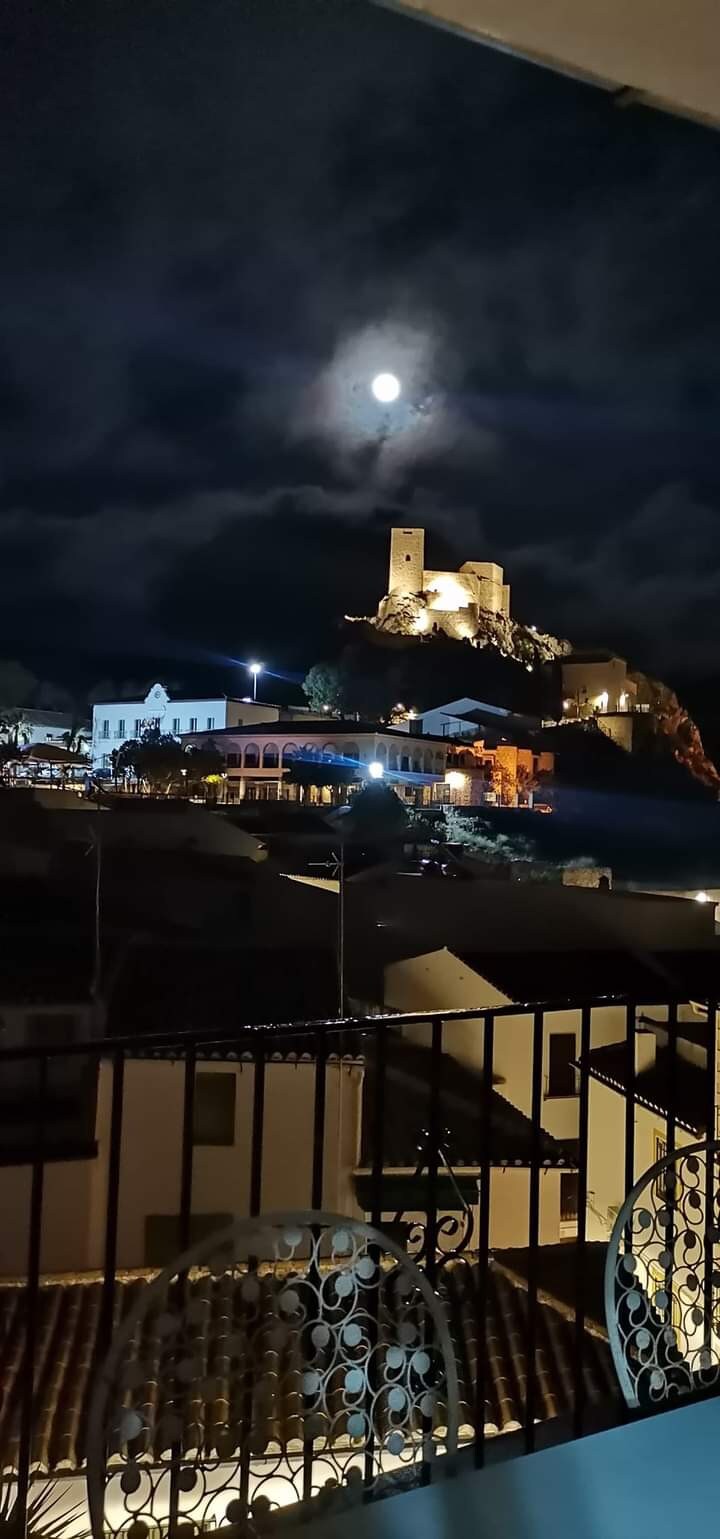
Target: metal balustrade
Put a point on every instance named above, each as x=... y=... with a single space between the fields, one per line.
x=496 y=1347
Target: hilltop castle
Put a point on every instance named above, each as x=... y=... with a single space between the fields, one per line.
x=420 y=601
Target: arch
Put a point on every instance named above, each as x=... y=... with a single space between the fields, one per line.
x=417 y=764
x=392 y=759
x=251 y=756
x=368 y=1257
x=405 y=762
x=351 y=751
x=428 y=761
x=660 y=1277
x=381 y=753
x=330 y=751
x=289 y=752
x=270 y=756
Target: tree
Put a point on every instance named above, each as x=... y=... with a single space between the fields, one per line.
x=156 y=757
x=76 y=739
x=203 y=766
x=324 y=687
x=16 y=731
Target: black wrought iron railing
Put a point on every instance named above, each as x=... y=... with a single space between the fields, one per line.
x=431 y=1134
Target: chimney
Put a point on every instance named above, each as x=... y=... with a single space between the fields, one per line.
x=645 y=1050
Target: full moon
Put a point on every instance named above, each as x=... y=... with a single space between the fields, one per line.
x=385 y=388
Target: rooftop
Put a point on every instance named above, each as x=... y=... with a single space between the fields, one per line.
x=670 y=1085
x=584 y=973
x=328 y=726
x=409 y=1076
x=67 y=1339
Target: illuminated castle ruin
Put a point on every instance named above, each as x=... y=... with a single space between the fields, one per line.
x=420 y=601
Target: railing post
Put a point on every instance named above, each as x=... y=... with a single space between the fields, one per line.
x=481 y=1297
x=583 y=1125
x=436 y=1069
x=32 y=1301
x=258 y=1129
x=107 y=1307
x=184 y=1226
x=255 y=1202
x=376 y=1215
x=316 y=1197
x=709 y=1246
x=630 y=1026
x=534 y=1225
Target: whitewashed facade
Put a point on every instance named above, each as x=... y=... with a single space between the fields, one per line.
x=114 y=722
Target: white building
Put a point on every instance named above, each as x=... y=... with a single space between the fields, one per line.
x=452 y=720
x=116 y=721
x=35 y=727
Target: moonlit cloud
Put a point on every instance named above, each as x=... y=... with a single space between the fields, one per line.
x=195 y=302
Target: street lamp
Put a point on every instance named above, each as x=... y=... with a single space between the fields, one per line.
x=376 y=770
x=255 y=669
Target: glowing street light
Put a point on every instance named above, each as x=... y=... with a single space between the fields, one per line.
x=376 y=770
x=254 y=669
x=385 y=388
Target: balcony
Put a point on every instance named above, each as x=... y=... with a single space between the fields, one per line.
x=288 y=1269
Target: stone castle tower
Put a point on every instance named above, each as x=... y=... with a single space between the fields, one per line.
x=407 y=561
x=477 y=585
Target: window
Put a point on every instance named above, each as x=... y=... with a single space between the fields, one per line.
x=562 y=1050
x=137 y=728
x=214 y=1112
x=162 y=1233
x=106 y=727
x=120 y=729
x=660 y=1150
x=176 y=725
x=233 y=760
x=193 y=724
x=252 y=756
x=568 y=1196
x=210 y=723
x=270 y=756
x=404 y=762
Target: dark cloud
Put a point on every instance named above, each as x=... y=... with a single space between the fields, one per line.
x=221 y=219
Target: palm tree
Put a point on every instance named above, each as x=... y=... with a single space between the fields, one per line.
x=16 y=731
x=44 y=1520
x=76 y=738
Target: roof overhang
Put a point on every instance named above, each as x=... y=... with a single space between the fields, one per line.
x=657 y=52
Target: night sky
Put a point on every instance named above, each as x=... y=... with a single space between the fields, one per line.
x=222 y=217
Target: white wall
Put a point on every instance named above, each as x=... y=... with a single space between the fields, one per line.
x=116 y=721
x=606 y=1152
x=439 y=980
x=75 y=1192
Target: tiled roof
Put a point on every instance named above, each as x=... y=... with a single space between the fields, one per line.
x=407 y=1111
x=69 y=1314
x=583 y=974
x=670 y=1085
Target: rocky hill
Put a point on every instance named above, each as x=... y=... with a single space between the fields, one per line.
x=505 y=663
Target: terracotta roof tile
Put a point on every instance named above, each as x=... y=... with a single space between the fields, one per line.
x=69 y=1314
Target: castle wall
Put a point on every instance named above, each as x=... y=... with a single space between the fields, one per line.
x=450 y=590
x=477 y=585
x=407 y=556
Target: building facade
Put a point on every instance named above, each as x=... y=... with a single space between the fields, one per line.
x=275 y=760
x=115 y=722
x=597 y=685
